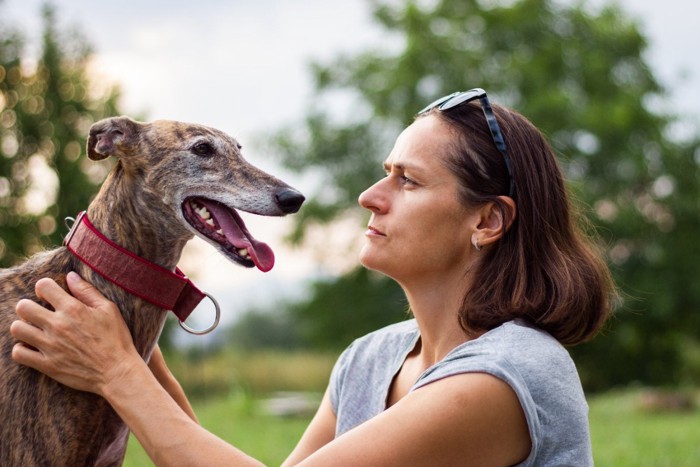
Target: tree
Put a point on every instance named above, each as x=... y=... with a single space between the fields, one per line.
x=579 y=75
x=264 y=329
x=340 y=310
x=45 y=114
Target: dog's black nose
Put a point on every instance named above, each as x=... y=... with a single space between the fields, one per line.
x=289 y=200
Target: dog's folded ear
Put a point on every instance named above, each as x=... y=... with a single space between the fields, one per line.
x=111 y=136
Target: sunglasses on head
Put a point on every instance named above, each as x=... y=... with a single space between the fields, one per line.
x=463 y=97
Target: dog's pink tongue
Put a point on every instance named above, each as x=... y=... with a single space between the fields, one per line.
x=236 y=232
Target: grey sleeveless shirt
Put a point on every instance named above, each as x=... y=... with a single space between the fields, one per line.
x=536 y=366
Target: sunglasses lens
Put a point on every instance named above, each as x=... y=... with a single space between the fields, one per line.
x=461 y=97
x=438 y=102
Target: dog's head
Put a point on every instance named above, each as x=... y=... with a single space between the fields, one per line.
x=200 y=177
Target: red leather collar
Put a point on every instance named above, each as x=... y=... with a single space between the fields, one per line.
x=138 y=276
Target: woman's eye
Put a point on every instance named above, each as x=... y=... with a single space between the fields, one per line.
x=203 y=149
x=407 y=181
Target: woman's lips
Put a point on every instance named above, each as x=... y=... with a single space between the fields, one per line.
x=374 y=232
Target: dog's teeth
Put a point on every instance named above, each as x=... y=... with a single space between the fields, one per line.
x=210 y=222
x=201 y=210
x=220 y=232
x=243 y=252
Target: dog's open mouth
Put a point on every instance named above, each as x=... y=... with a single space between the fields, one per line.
x=225 y=227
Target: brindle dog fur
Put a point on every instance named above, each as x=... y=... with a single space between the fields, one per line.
x=142 y=206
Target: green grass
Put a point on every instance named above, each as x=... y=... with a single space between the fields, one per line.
x=243 y=422
x=625 y=433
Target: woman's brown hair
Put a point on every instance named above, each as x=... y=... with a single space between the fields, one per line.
x=544 y=269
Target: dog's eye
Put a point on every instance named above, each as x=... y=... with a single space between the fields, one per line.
x=203 y=149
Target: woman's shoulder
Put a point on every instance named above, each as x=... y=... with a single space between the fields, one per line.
x=515 y=340
x=514 y=351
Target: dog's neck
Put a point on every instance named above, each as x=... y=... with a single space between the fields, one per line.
x=145 y=225
x=136 y=220
x=167 y=289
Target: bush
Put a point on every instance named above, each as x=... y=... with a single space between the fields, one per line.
x=256 y=372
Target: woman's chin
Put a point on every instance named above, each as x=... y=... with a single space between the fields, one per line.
x=370 y=261
x=375 y=264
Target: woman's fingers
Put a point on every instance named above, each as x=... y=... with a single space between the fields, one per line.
x=48 y=290
x=27 y=333
x=82 y=344
x=28 y=356
x=68 y=308
x=32 y=312
x=26 y=351
x=85 y=291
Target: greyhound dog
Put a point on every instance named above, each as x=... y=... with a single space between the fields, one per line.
x=171 y=181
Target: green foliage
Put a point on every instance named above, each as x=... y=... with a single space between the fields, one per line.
x=259 y=372
x=258 y=329
x=341 y=310
x=580 y=75
x=45 y=113
x=337 y=311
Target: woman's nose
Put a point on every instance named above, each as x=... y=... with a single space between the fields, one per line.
x=372 y=198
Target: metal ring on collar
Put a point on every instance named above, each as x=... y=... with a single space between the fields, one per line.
x=210 y=328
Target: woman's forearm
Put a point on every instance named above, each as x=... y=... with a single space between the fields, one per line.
x=166 y=432
x=166 y=379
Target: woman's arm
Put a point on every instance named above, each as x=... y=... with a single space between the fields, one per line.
x=320 y=432
x=166 y=379
x=472 y=419
x=169 y=435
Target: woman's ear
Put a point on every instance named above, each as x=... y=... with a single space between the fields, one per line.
x=494 y=219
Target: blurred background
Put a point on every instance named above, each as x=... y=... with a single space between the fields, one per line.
x=316 y=92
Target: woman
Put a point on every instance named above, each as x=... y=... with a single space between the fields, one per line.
x=480 y=237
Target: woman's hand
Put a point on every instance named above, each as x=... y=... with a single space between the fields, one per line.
x=84 y=344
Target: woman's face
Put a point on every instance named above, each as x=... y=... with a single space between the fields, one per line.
x=418 y=228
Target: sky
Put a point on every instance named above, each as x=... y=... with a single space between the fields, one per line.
x=242 y=67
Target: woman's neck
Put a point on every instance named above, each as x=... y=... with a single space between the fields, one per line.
x=435 y=305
